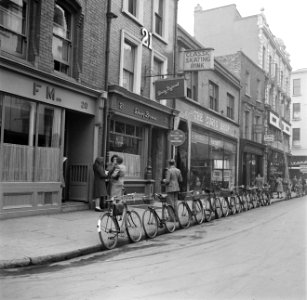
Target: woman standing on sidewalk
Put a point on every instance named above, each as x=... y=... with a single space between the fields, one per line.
x=100 y=190
x=279 y=187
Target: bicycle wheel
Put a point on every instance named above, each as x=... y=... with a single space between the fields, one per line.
x=198 y=211
x=150 y=223
x=133 y=226
x=218 y=207
x=225 y=208
x=184 y=215
x=207 y=210
x=237 y=204
x=232 y=205
x=169 y=218
x=107 y=230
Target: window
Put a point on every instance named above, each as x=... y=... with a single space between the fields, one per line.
x=270 y=65
x=213 y=96
x=62 y=39
x=192 y=83
x=126 y=141
x=13 y=26
x=281 y=78
x=258 y=91
x=247 y=84
x=246 y=132
x=296 y=87
x=129 y=62
x=230 y=106
x=296 y=135
x=296 y=111
x=134 y=9
x=159 y=17
x=159 y=69
x=263 y=58
x=31 y=141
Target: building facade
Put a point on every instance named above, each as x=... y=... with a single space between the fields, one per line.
x=253 y=36
x=141 y=52
x=252 y=154
x=209 y=117
x=298 y=161
x=51 y=96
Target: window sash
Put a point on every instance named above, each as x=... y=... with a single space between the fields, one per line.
x=213 y=96
x=132 y=7
x=296 y=87
x=296 y=132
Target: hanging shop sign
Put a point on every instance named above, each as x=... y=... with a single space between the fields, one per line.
x=197 y=60
x=176 y=137
x=170 y=88
x=268 y=138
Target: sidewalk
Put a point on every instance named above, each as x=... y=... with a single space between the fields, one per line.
x=48 y=238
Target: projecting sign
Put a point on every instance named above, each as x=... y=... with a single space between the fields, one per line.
x=196 y=60
x=170 y=88
x=176 y=137
x=269 y=138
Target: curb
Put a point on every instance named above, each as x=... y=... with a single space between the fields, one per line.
x=45 y=259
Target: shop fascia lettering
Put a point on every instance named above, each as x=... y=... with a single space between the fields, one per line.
x=144 y=114
x=207 y=120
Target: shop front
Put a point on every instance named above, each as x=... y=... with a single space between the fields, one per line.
x=210 y=154
x=276 y=164
x=138 y=130
x=47 y=138
x=251 y=162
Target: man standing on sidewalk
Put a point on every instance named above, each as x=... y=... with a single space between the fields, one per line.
x=172 y=180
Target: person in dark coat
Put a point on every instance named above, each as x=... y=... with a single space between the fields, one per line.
x=172 y=180
x=100 y=190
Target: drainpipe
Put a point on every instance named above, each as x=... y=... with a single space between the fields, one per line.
x=109 y=16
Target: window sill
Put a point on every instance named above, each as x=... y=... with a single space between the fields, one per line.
x=132 y=17
x=161 y=38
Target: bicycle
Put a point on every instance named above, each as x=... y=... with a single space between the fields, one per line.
x=186 y=213
x=151 y=221
x=228 y=202
x=214 y=204
x=108 y=225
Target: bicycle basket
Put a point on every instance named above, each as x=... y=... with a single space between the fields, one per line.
x=118 y=209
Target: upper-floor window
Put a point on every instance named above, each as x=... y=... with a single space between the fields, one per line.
x=281 y=79
x=296 y=111
x=258 y=90
x=134 y=8
x=62 y=39
x=297 y=87
x=246 y=133
x=230 y=106
x=191 y=83
x=263 y=57
x=13 y=26
x=129 y=62
x=247 y=84
x=213 y=96
x=270 y=65
x=296 y=135
x=159 y=14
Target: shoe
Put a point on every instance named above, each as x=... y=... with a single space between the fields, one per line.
x=98 y=209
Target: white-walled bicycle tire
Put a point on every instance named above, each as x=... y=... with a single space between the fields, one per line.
x=107 y=231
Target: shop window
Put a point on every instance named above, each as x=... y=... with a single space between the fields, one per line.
x=126 y=140
x=31 y=140
x=213 y=96
x=230 y=106
x=296 y=87
x=296 y=111
x=13 y=26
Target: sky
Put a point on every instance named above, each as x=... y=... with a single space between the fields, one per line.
x=286 y=19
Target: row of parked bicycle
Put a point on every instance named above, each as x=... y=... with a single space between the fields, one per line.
x=193 y=207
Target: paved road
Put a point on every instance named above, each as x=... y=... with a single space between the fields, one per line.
x=260 y=254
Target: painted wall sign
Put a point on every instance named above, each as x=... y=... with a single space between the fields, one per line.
x=207 y=120
x=201 y=59
x=35 y=89
x=170 y=88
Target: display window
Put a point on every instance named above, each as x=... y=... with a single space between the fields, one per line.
x=30 y=140
x=213 y=162
x=126 y=140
